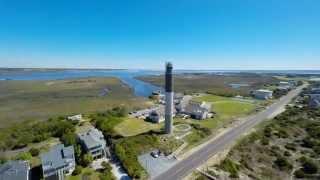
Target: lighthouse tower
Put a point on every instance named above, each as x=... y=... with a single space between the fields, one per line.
x=169 y=99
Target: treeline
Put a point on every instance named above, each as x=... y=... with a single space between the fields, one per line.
x=21 y=135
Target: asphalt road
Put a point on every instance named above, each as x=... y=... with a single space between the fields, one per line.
x=187 y=165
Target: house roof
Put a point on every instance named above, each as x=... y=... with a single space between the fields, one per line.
x=195 y=107
x=14 y=170
x=56 y=157
x=92 y=138
x=264 y=91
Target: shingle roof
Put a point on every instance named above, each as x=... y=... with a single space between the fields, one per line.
x=14 y=170
x=56 y=157
x=92 y=138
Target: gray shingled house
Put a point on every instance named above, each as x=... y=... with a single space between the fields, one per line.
x=58 y=162
x=15 y=170
x=94 y=143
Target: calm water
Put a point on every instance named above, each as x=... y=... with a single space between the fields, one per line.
x=126 y=76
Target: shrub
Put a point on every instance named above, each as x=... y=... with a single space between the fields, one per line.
x=265 y=141
x=231 y=167
x=290 y=146
x=69 y=138
x=106 y=166
x=309 y=167
x=282 y=163
x=77 y=170
x=86 y=160
x=287 y=153
x=34 y=151
x=299 y=174
x=24 y=156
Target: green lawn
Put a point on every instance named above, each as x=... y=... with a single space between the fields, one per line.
x=87 y=173
x=227 y=108
x=134 y=126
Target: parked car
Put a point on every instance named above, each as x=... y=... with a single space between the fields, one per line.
x=154 y=154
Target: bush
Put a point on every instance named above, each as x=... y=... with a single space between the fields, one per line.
x=265 y=141
x=69 y=138
x=24 y=156
x=299 y=174
x=231 y=167
x=77 y=170
x=3 y=160
x=34 y=151
x=287 y=153
x=309 y=167
x=86 y=160
x=106 y=166
x=282 y=163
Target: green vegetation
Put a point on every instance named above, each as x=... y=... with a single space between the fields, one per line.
x=40 y=100
x=107 y=172
x=215 y=84
x=86 y=173
x=231 y=167
x=134 y=126
x=228 y=107
x=21 y=135
x=128 y=149
x=288 y=142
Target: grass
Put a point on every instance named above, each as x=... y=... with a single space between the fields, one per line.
x=88 y=173
x=134 y=126
x=214 y=84
x=40 y=100
x=227 y=108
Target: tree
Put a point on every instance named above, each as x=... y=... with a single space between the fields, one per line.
x=69 y=139
x=77 y=152
x=86 y=160
x=34 y=151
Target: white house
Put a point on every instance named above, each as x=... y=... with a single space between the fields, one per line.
x=198 y=110
x=262 y=94
x=77 y=117
x=183 y=103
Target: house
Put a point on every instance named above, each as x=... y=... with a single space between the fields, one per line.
x=93 y=142
x=314 y=98
x=198 y=110
x=58 y=162
x=15 y=170
x=156 y=116
x=283 y=85
x=182 y=104
x=314 y=103
x=77 y=117
x=262 y=94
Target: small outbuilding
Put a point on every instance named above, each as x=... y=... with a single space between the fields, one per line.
x=262 y=94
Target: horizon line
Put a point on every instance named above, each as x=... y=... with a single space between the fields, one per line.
x=153 y=69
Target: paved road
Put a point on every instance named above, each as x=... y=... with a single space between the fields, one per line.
x=186 y=166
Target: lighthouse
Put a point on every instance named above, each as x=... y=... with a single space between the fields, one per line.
x=169 y=99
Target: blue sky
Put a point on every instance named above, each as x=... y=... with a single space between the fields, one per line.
x=143 y=34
